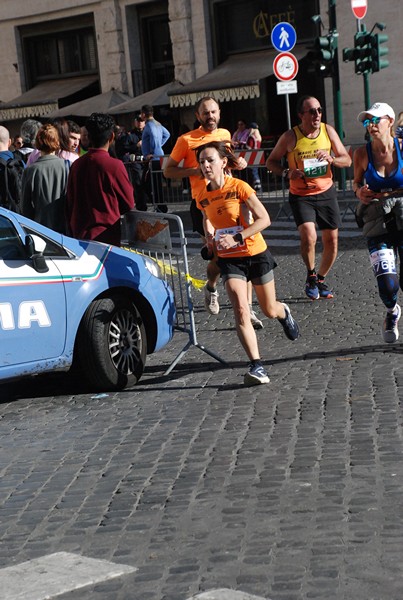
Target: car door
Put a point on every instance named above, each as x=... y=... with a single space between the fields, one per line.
x=32 y=303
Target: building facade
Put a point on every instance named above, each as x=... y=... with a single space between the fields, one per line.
x=53 y=55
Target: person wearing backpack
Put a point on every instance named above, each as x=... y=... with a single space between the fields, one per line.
x=11 y=172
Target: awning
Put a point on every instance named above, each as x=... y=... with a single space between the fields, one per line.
x=156 y=97
x=235 y=79
x=44 y=98
x=101 y=103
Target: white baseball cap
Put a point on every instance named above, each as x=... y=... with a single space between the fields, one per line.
x=378 y=109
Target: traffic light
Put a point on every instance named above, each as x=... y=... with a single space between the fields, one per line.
x=378 y=51
x=367 y=52
x=363 y=52
x=322 y=54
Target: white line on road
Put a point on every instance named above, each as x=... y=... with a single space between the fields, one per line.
x=225 y=594
x=55 y=574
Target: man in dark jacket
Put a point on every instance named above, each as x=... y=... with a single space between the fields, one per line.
x=99 y=190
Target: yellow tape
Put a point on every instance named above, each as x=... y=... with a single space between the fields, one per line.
x=166 y=268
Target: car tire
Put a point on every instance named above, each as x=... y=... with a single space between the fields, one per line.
x=112 y=344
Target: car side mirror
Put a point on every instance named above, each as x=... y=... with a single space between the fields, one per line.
x=35 y=247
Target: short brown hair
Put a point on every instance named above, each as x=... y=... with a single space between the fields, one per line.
x=47 y=139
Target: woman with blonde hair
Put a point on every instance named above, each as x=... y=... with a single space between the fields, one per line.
x=378 y=185
x=44 y=182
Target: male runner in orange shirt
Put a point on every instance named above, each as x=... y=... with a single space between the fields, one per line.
x=208 y=115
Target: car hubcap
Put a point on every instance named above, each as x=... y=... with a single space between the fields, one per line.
x=125 y=342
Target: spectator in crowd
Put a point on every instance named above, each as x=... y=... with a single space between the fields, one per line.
x=254 y=143
x=10 y=181
x=17 y=143
x=44 y=182
x=28 y=132
x=129 y=143
x=399 y=126
x=129 y=149
x=154 y=137
x=240 y=136
x=74 y=136
x=84 y=141
x=313 y=149
x=64 y=151
x=99 y=190
x=5 y=144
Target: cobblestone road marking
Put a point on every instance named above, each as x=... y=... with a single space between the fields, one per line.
x=225 y=594
x=55 y=574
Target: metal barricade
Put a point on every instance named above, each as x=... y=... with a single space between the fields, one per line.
x=177 y=191
x=164 y=192
x=162 y=238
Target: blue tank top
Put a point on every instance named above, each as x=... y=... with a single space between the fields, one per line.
x=376 y=182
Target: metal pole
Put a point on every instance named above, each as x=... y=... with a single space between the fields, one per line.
x=365 y=76
x=287 y=105
x=338 y=116
x=366 y=91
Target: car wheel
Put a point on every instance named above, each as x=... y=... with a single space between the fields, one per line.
x=112 y=345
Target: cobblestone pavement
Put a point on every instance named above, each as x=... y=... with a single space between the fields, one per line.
x=288 y=491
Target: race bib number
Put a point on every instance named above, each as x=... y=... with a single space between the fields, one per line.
x=314 y=167
x=240 y=247
x=383 y=262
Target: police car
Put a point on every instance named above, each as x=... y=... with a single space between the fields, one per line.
x=65 y=301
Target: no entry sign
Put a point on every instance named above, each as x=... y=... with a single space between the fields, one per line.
x=359 y=8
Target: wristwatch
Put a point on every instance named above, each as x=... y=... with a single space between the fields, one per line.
x=238 y=238
x=285 y=172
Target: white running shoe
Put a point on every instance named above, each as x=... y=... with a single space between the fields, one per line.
x=254 y=319
x=211 y=301
x=390 y=331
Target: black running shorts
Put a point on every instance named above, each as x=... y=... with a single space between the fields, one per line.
x=258 y=268
x=322 y=209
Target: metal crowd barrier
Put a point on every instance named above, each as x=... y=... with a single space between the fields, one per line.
x=162 y=238
x=164 y=192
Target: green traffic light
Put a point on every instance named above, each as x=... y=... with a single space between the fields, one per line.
x=378 y=51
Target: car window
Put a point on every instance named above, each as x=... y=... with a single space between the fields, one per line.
x=52 y=248
x=11 y=247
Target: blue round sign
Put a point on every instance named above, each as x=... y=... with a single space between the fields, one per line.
x=283 y=37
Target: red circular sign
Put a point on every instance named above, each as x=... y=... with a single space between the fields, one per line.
x=285 y=66
x=359 y=8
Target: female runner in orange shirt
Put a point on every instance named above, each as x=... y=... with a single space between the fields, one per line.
x=233 y=218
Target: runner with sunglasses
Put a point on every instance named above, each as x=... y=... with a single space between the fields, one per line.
x=312 y=148
x=378 y=185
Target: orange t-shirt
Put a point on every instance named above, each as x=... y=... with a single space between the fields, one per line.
x=184 y=149
x=226 y=209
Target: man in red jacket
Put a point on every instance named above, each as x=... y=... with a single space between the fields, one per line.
x=98 y=189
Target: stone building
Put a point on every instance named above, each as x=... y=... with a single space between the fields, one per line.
x=53 y=54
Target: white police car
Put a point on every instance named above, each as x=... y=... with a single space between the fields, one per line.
x=63 y=299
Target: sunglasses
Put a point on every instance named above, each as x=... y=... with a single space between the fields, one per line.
x=313 y=111
x=373 y=121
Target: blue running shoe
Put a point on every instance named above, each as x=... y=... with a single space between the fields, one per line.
x=324 y=291
x=256 y=375
x=311 y=288
x=290 y=326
